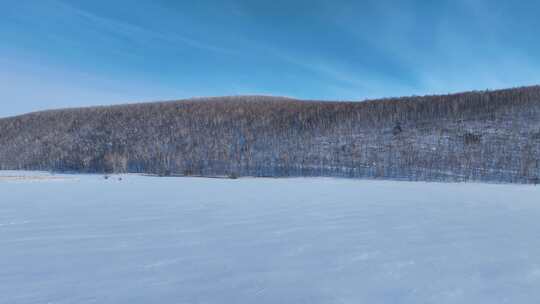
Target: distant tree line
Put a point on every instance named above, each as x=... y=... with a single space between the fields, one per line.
x=483 y=135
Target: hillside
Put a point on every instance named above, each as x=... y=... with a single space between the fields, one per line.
x=484 y=136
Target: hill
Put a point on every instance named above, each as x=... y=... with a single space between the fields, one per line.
x=483 y=135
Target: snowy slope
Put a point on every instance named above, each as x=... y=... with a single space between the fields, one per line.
x=313 y=240
x=491 y=136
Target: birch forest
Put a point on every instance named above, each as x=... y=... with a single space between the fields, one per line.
x=474 y=136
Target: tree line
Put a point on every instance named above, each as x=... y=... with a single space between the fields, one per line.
x=481 y=135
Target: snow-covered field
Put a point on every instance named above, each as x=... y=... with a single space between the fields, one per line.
x=316 y=240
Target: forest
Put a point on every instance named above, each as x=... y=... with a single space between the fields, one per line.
x=474 y=136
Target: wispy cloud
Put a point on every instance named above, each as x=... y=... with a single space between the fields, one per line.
x=456 y=47
x=340 y=80
x=75 y=53
x=138 y=33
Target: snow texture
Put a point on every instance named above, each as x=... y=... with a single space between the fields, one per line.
x=303 y=240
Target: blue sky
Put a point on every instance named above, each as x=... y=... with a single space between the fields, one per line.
x=60 y=53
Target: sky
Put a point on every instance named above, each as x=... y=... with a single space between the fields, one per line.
x=71 y=53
